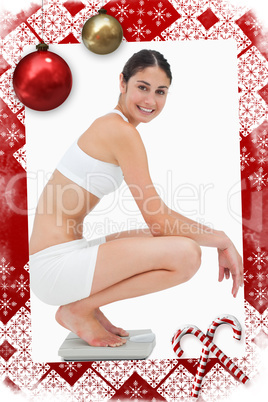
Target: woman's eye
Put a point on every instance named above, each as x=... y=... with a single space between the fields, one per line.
x=160 y=92
x=142 y=87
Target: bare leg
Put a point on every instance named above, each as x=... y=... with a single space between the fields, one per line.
x=141 y=233
x=129 y=268
x=116 y=236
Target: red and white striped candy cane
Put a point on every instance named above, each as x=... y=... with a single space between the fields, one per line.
x=212 y=348
x=200 y=371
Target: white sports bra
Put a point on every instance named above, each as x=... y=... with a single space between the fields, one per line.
x=97 y=177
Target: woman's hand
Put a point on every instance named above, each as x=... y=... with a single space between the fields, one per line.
x=230 y=261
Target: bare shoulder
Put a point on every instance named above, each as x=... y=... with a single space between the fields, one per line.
x=107 y=137
x=110 y=127
x=113 y=124
x=117 y=133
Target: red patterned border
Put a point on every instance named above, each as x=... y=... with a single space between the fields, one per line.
x=143 y=20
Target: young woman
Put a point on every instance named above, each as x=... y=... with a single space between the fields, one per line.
x=82 y=276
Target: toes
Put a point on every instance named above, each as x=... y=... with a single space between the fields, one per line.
x=117 y=342
x=114 y=342
x=110 y=341
x=122 y=332
x=119 y=331
x=115 y=345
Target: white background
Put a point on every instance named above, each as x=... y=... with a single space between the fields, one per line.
x=196 y=140
x=257 y=385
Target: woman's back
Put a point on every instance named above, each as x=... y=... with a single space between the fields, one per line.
x=87 y=171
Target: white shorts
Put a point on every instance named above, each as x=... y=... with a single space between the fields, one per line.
x=63 y=273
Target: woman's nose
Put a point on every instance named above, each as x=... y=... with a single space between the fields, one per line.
x=150 y=99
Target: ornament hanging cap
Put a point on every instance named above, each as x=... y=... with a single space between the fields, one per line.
x=102 y=11
x=42 y=46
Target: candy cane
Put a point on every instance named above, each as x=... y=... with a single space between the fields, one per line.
x=200 y=371
x=212 y=348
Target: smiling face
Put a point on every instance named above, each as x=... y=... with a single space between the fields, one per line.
x=144 y=95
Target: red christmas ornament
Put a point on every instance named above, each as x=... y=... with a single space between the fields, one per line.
x=42 y=80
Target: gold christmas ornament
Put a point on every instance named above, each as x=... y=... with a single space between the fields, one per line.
x=102 y=33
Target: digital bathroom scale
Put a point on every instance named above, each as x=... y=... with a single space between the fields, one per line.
x=140 y=344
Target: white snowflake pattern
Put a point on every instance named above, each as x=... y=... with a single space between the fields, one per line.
x=262 y=160
x=136 y=391
x=260 y=276
x=254 y=25
x=261 y=141
x=6 y=304
x=70 y=367
x=5 y=269
x=12 y=136
x=260 y=258
x=4 y=286
x=159 y=14
x=22 y=286
x=245 y=158
x=260 y=295
x=139 y=31
x=140 y=12
x=258 y=179
x=247 y=276
x=122 y=10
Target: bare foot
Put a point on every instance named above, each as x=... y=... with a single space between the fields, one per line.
x=108 y=325
x=86 y=327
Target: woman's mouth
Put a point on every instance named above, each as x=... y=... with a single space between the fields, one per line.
x=145 y=110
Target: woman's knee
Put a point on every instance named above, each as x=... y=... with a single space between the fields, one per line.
x=195 y=255
x=187 y=257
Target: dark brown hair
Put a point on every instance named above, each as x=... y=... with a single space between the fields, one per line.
x=143 y=59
